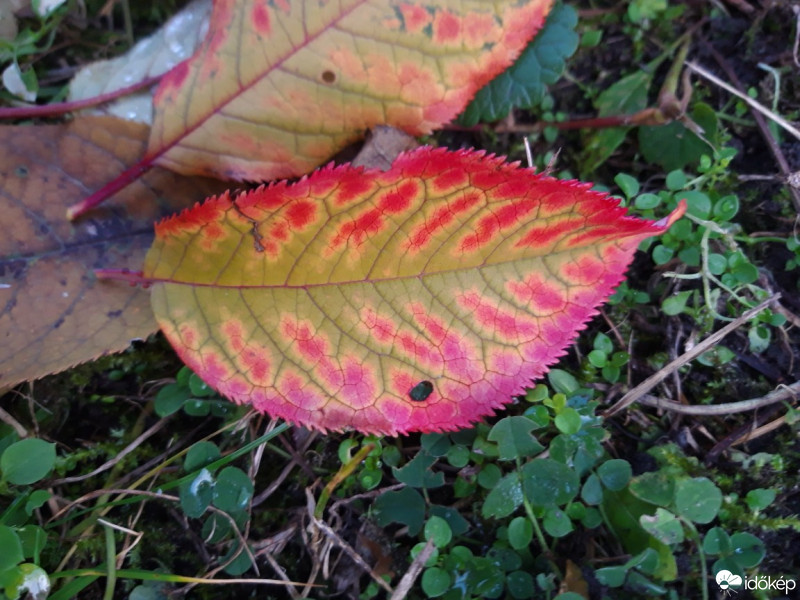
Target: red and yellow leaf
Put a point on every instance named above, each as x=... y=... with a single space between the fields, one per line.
x=417 y=299
x=278 y=88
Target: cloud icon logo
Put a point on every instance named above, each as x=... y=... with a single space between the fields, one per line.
x=726 y=579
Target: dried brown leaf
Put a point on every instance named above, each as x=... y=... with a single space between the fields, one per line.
x=53 y=311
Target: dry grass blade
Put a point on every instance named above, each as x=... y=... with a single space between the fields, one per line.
x=759 y=118
x=745 y=98
x=122 y=454
x=640 y=390
x=780 y=394
x=760 y=431
x=6 y=418
x=274 y=545
x=318 y=526
x=402 y=589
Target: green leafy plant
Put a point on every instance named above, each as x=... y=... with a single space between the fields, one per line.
x=22 y=464
x=192 y=395
x=525 y=84
x=544 y=476
x=229 y=490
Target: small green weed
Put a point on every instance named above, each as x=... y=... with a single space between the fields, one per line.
x=23 y=464
x=535 y=480
x=190 y=394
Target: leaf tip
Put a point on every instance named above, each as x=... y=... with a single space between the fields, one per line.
x=672 y=217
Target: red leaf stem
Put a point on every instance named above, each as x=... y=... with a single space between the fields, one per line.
x=123 y=180
x=132 y=277
x=62 y=108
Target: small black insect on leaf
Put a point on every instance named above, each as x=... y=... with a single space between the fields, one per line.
x=421 y=391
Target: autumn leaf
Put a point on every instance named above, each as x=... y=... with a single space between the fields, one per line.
x=276 y=89
x=53 y=313
x=417 y=299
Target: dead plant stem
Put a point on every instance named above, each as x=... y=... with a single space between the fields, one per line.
x=757 y=106
x=6 y=418
x=122 y=454
x=414 y=569
x=774 y=148
x=779 y=394
x=643 y=388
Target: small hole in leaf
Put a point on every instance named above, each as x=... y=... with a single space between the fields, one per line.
x=21 y=171
x=421 y=391
x=328 y=76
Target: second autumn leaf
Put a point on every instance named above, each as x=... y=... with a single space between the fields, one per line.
x=278 y=88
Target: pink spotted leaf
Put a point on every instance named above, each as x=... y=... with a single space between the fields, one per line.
x=422 y=298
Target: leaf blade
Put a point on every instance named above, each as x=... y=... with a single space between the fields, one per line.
x=293 y=83
x=328 y=301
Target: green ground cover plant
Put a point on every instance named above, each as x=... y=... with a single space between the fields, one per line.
x=129 y=477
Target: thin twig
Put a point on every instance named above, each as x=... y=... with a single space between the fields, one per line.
x=657 y=377
x=528 y=152
x=127 y=450
x=365 y=495
x=6 y=418
x=290 y=589
x=796 y=10
x=160 y=460
x=745 y=98
x=326 y=530
x=157 y=496
x=774 y=148
x=275 y=544
x=762 y=430
x=779 y=394
x=138 y=535
x=295 y=461
x=274 y=484
x=789 y=315
x=354 y=556
x=738 y=433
